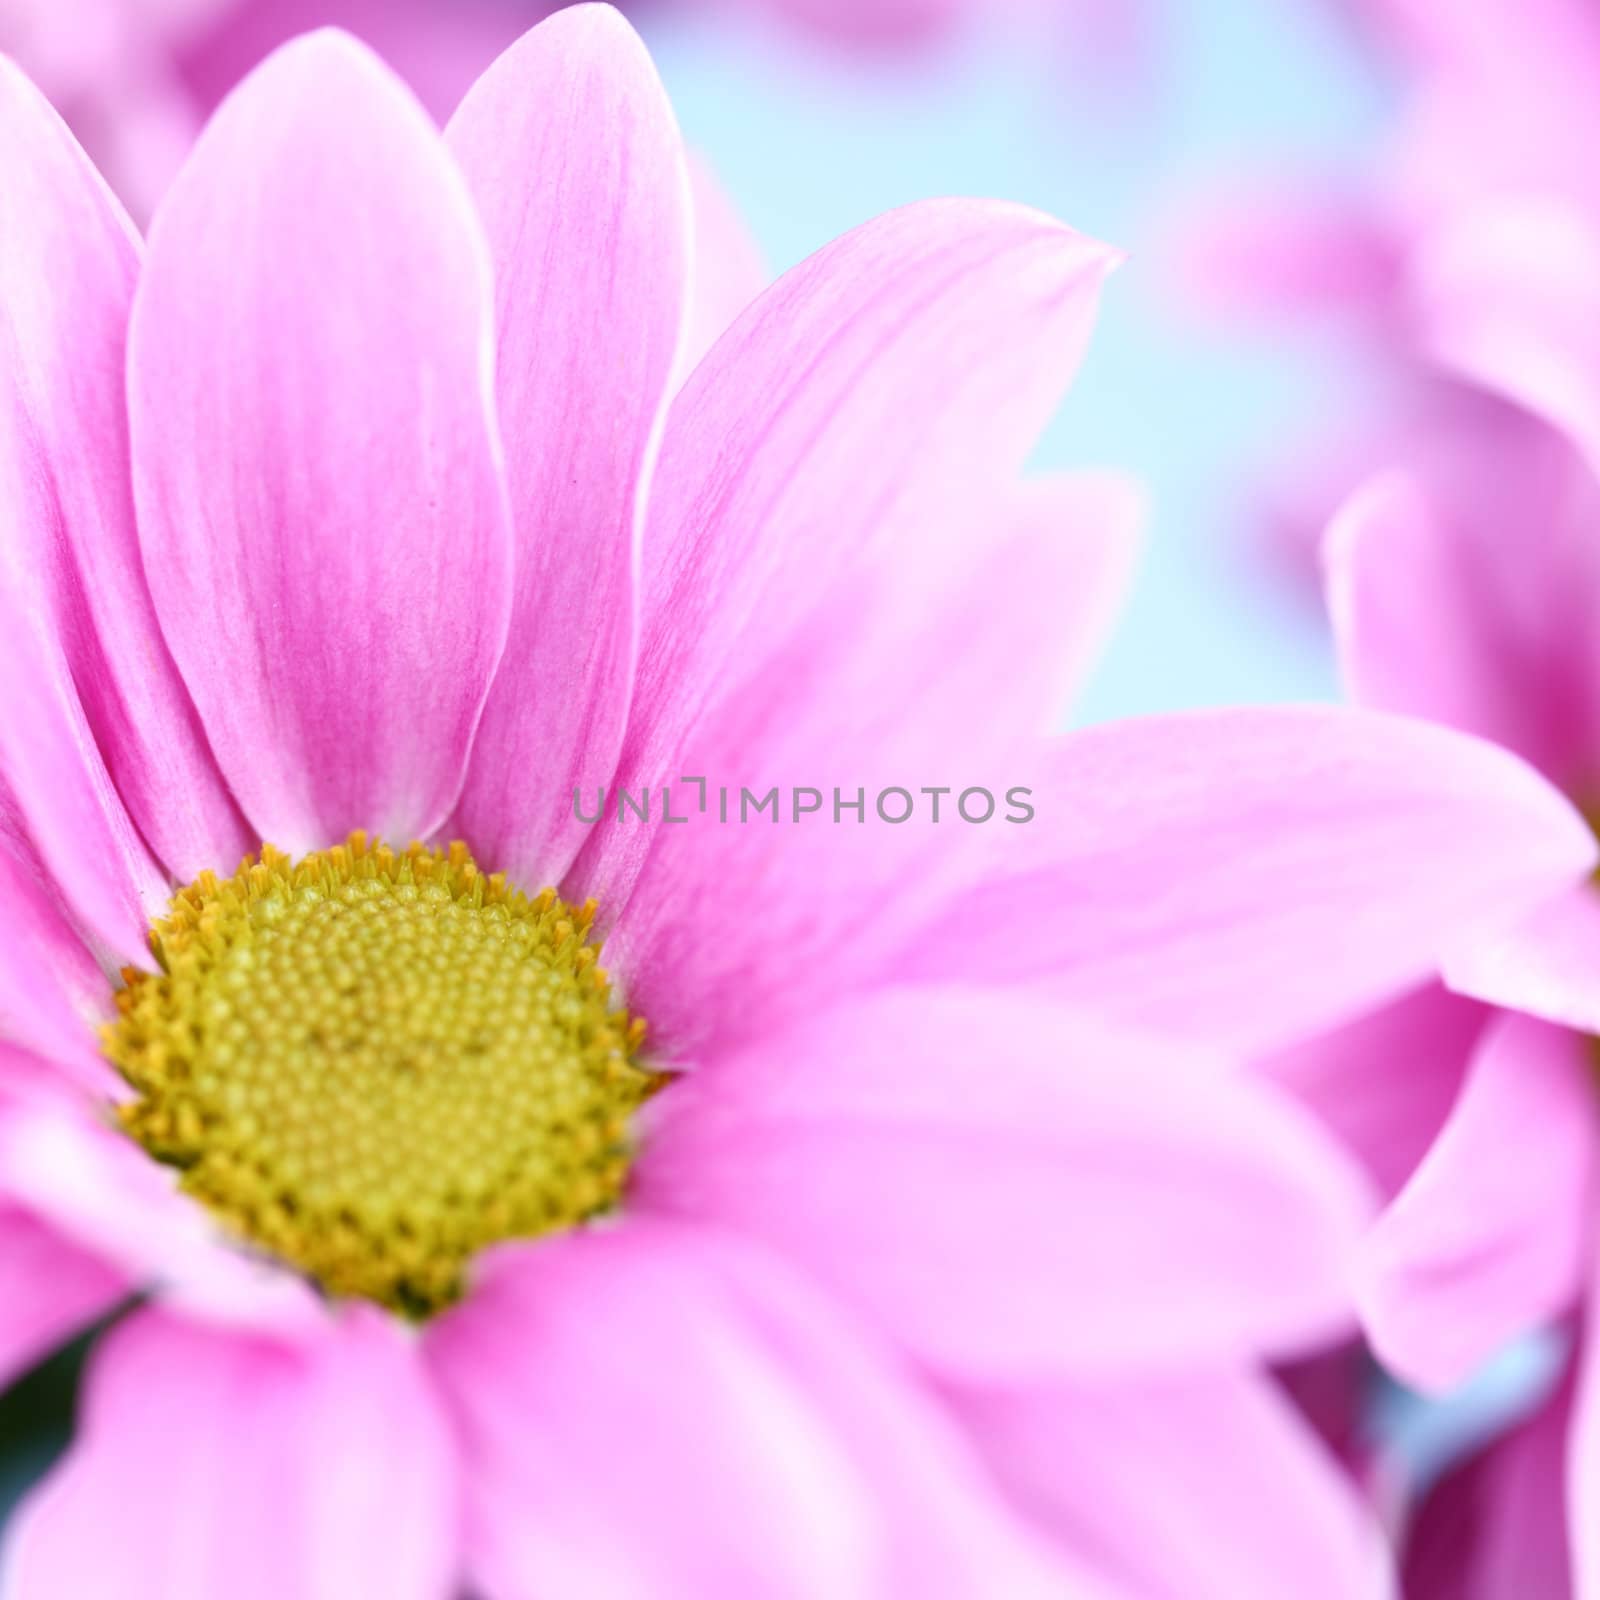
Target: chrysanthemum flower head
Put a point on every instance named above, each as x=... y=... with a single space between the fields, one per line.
x=712 y=1188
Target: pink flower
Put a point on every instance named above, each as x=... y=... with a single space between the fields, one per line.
x=1488 y=151
x=366 y=498
x=136 y=78
x=1467 y=589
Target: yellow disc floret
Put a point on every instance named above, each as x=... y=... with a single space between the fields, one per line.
x=372 y=1063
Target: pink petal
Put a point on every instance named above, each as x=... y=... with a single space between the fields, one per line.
x=49 y=762
x=1329 y=1390
x=1491 y=1236
x=1481 y=454
x=66 y=281
x=49 y=1290
x=1250 y=877
x=1545 y=963
x=1487 y=36
x=1496 y=1527
x=28 y=1079
x=51 y=990
x=730 y=270
x=1510 y=298
x=59 y=796
x=839 y=896
x=1203 y=1484
x=1286 y=248
x=1386 y=1082
x=208 y=1464
x=655 y=1411
x=1441 y=615
x=1099 y=518
x=315 y=465
x=1014 y=1191
x=872 y=400
x=570 y=150
x=100 y=1191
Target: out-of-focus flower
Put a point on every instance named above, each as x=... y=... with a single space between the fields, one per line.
x=1467 y=589
x=1499 y=105
x=136 y=78
x=1500 y=100
x=363 y=505
x=1115 y=31
x=1495 y=1526
x=111 y=69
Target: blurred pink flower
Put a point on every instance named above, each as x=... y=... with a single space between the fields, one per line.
x=1499 y=107
x=136 y=78
x=1466 y=588
x=1103 y=31
x=367 y=497
x=110 y=67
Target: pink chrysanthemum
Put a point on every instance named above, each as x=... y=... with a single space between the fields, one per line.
x=1467 y=589
x=362 y=506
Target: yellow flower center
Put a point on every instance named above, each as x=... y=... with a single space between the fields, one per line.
x=372 y=1063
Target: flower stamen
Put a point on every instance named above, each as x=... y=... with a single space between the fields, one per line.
x=373 y=1063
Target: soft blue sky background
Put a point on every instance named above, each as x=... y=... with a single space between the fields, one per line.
x=811 y=143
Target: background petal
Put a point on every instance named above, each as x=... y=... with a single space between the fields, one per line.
x=1385 y=1083
x=730 y=269
x=1492 y=1236
x=1509 y=296
x=1462 y=591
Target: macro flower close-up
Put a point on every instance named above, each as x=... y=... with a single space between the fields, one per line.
x=585 y=1011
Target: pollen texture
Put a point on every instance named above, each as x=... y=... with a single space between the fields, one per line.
x=372 y=1063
